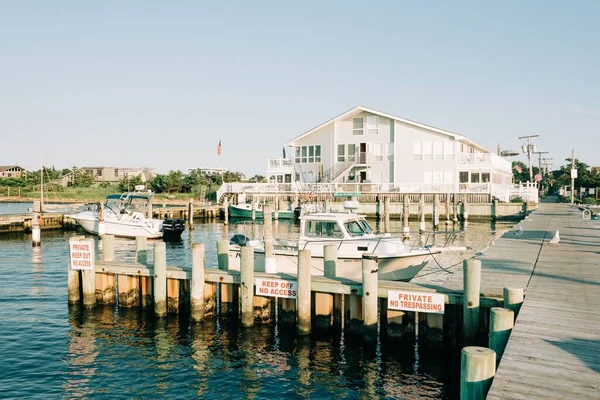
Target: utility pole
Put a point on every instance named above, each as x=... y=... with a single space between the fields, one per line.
x=529 y=149
x=573 y=173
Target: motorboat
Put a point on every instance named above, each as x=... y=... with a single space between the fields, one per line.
x=124 y=215
x=244 y=210
x=353 y=236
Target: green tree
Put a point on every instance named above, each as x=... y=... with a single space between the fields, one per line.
x=128 y=183
x=82 y=178
x=257 y=178
x=174 y=182
x=158 y=184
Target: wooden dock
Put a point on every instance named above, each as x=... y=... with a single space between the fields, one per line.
x=554 y=348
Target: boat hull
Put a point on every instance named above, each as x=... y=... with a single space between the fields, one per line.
x=91 y=224
x=400 y=268
x=237 y=212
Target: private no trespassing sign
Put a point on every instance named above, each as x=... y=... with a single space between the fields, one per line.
x=416 y=301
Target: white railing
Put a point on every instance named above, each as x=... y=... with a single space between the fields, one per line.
x=526 y=191
x=474 y=158
x=474 y=187
x=279 y=162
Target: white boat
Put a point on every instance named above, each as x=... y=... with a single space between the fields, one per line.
x=353 y=236
x=125 y=216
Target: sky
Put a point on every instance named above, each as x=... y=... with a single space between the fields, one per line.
x=158 y=84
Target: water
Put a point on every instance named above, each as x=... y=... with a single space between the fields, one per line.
x=49 y=350
x=15 y=208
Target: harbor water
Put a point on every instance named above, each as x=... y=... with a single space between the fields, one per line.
x=51 y=350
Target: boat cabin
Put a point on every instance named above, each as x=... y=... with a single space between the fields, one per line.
x=334 y=226
x=129 y=202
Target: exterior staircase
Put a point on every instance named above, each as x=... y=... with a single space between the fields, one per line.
x=336 y=171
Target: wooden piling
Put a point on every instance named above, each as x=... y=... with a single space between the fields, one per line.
x=191 y=214
x=477 y=369
x=448 y=221
x=421 y=214
x=303 y=299
x=129 y=294
x=197 y=285
x=270 y=261
x=494 y=209
x=36 y=237
x=465 y=209
x=472 y=285
x=330 y=260
x=105 y=283
x=454 y=210
x=254 y=206
x=387 y=210
x=101 y=227
x=276 y=208
x=513 y=299
x=73 y=277
x=369 y=276
x=226 y=211
x=173 y=293
x=88 y=281
x=247 y=285
x=436 y=215
x=406 y=215
x=501 y=324
x=160 y=279
x=380 y=213
x=223 y=254
x=141 y=249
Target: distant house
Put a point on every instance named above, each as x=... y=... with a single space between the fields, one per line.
x=209 y=171
x=12 y=171
x=110 y=175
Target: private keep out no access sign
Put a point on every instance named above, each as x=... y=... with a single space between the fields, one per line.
x=82 y=255
x=416 y=301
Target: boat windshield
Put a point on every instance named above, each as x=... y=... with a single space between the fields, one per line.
x=323 y=229
x=354 y=228
x=366 y=227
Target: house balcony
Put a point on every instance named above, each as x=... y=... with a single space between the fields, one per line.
x=279 y=162
x=475 y=158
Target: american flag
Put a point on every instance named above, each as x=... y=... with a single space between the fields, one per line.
x=517 y=168
x=219 y=148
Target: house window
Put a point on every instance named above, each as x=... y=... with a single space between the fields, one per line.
x=304 y=151
x=351 y=152
x=438 y=151
x=311 y=154
x=372 y=125
x=474 y=177
x=340 y=153
x=417 y=150
x=463 y=177
x=318 y=153
x=297 y=155
x=279 y=178
x=357 y=126
x=485 y=177
x=378 y=150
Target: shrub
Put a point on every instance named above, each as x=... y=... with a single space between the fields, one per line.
x=516 y=200
x=589 y=200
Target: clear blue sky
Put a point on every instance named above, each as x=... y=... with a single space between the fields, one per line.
x=156 y=83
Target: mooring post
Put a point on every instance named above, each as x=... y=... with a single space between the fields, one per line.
x=502 y=321
x=197 y=284
x=105 y=283
x=465 y=208
x=454 y=212
x=448 y=221
x=36 y=220
x=406 y=215
x=387 y=211
x=254 y=205
x=270 y=261
x=141 y=249
x=101 y=227
x=191 y=214
x=495 y=209
x=436 y=216
x=477 y=369
x=226 y=211
x=513 y=299
x=304 y=297
x=369 y=276
x=380 y=215
x=160 y=279
x=421 y=214
x=330 y=260
x=472 y=286
x=247 y=285
x=88 y=280
x=73 y=278
x=276 y=208
x=223 y=254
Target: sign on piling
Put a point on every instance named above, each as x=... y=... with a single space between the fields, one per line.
x=416 y=301
x=276 y=288
x=82 y=255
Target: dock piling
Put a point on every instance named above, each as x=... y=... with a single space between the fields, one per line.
x=421 y=214
x=472 y=285
x=73 y=277
x=406 y=215
x=436 y=215
x=226 y=211
x=108 y=247
x=501 y=325
x=36 y=237
x=329 y=260
x=387 y=210
x=191 y=214
x=160 y=279
x=304 y=295
x=101 y=227
x=448 y=221
x=141 y=249
x=88 y=282
x=223 y=254
x=197 y=284
x=369 y=275
x=513 y=299
x=477 y=369
x=247 y=285
x=270 y=261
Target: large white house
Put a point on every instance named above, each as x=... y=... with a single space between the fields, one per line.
x=368 y=146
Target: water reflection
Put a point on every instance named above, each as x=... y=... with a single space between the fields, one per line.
x=81 y=357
